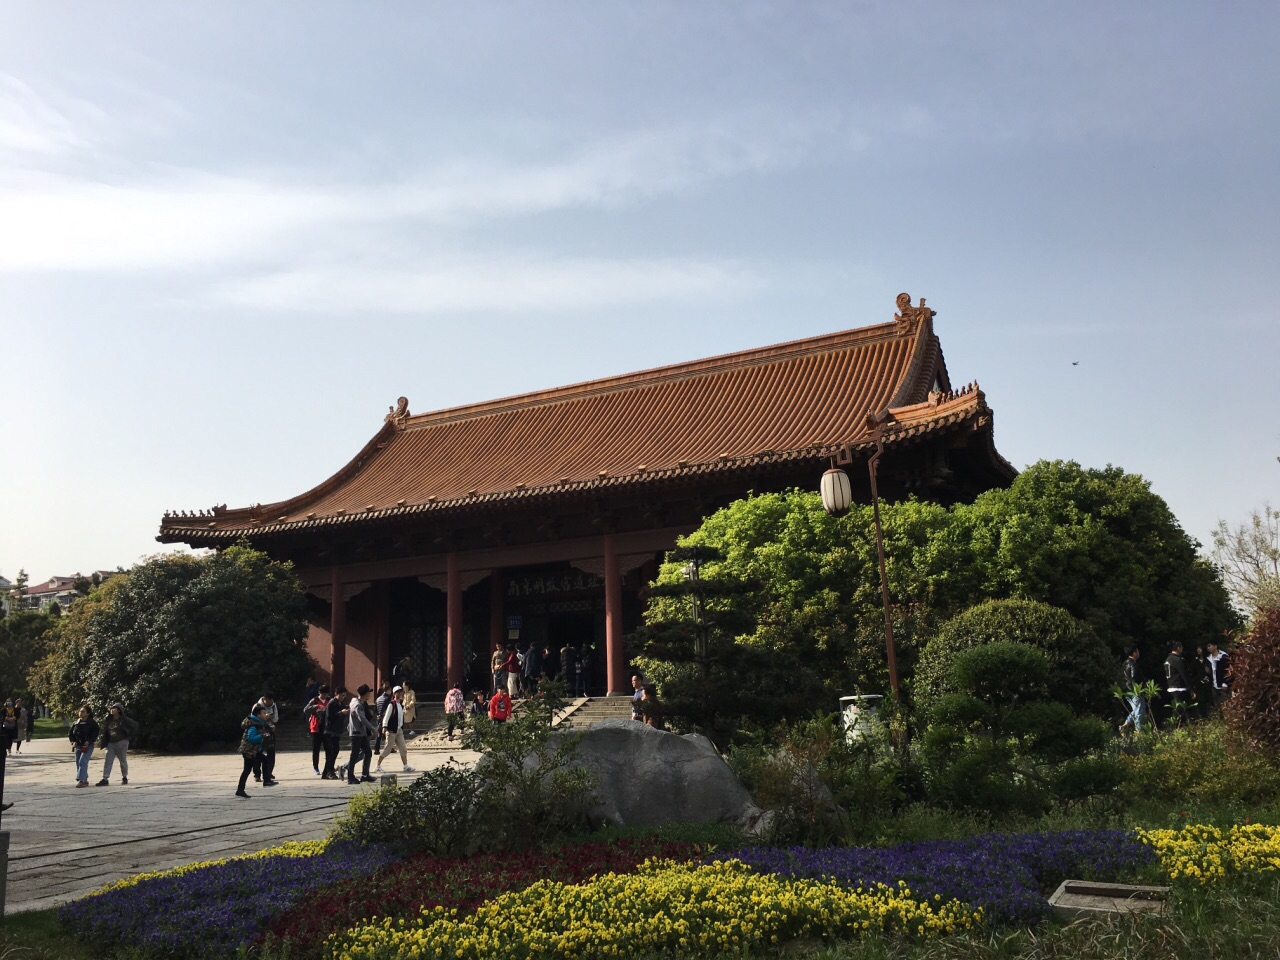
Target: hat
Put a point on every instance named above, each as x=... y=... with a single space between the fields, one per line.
x=396 y=689
x=118 y=706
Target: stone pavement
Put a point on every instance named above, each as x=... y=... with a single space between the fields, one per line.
x=65 y=842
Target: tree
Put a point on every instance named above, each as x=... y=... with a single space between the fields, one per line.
x=1105 y=548
x=187 y=643
x=689 y=647
x=1098 y=544
x=1248 y=557
x=24 y=640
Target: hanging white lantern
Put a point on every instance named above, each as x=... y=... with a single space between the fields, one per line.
x=837 y=492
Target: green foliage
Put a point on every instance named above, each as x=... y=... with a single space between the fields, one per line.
x=436 y=813
x=1100 y=545
x=187 y=643
x=1097 y=544
x=821 y=786
x=24 y=640
x=997 y=745
x=1081 y=668
x=1254 y=707
x=1205 y=763
x=531 y=792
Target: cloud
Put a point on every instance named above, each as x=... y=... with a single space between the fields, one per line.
x=44 y=125
x=183 y=218
x=492 y=284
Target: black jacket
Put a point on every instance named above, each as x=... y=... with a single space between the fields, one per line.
x=84 y=732
x=1175 y=673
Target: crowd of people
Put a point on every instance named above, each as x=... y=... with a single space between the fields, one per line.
x=520 y=671
x=1194 y=686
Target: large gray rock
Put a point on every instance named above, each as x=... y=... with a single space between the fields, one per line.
x=648 y=777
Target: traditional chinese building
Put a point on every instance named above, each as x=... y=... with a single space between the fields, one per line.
x=543 y=516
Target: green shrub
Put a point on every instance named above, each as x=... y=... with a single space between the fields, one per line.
x=1205 y=763
x=437 y=813
x=1080 y=666
x=531 y=791
x=998 y=746
x=822 y=786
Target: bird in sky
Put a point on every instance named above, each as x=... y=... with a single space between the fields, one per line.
x=1075 y=363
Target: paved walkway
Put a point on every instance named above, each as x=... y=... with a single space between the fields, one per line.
x=65 y=842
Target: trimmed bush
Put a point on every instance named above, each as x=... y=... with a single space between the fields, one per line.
x=1081 y=669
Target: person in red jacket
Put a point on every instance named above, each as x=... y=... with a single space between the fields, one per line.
x=500 y=706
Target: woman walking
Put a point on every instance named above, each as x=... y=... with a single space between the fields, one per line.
x=84 y=734
x=117 y=731
x=454 y=705
x=8 y=726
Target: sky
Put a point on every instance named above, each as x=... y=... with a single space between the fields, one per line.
x=231 y=234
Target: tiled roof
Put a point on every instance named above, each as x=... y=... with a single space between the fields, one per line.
x=802 y=399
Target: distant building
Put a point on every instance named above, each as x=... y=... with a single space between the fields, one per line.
x=60 y=590
x=5 y=586
x=41 y=596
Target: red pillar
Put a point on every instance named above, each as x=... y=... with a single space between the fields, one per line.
x=497 y=609
x=337 y=632
x=453 y=617
x=617 y=664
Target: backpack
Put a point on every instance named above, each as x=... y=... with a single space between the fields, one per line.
x=315 y=716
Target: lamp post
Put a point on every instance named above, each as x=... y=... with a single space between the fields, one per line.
x=837 y=496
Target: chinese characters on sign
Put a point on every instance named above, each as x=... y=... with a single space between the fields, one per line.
x=567 y=582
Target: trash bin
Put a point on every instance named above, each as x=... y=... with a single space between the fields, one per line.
x=861 y=715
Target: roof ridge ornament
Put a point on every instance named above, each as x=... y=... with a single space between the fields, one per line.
x=912 y=315
x=398 y=414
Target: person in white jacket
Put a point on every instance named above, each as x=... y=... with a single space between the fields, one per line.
x=393 y=730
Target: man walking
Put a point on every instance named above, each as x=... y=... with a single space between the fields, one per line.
x=1220 y=674
x=335 y=718
x=393 y=730
x=1176 y=683
x=1137 y=704
x=380 y=707
x=361 y=730
x=117 y=731
x=315 y=712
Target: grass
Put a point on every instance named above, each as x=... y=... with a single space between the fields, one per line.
x=47 y=728
x=37 y=935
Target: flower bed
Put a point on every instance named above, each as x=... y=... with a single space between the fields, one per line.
x=675 y=909
x=1204 y=854
x=212 y=909
x=1007 y=875
x=421 y=882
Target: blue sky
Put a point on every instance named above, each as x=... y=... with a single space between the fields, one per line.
x=232 y=234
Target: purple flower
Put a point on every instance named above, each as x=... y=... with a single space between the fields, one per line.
x=1008 y=875
x=214 y=911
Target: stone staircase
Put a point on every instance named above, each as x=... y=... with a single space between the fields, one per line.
x=431 y=731
x=586 y=711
